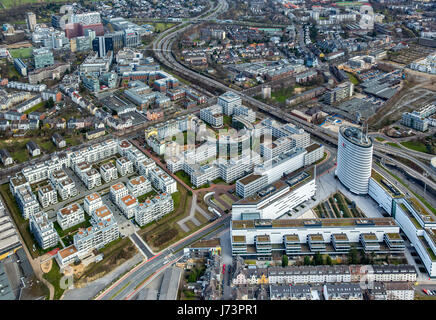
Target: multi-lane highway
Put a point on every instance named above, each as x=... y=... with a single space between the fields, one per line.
x=131 y=283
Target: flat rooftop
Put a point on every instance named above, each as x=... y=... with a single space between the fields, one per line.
x=304 y=223
x=284 y=182
x=386 y=185
x=250 y=178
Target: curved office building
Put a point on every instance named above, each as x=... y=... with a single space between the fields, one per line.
x=354 y=159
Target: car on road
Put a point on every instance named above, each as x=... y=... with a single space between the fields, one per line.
x=224 y=269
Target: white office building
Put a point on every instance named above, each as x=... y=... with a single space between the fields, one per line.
x=281 y=165
x=228 y=101
x=277 y=199
x=256 y=238
x=212 y=115
x=354 y=159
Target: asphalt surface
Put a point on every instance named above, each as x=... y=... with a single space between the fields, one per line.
x=130 y=284
x=141 y=245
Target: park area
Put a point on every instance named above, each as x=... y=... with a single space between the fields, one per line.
x=8 y=4
x=22 y=53
x=160 y=234
x=337 y=206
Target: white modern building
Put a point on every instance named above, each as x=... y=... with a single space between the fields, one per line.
x=70 y=216
x=47 y=195
x=43 y=230
x=128 y=205
x=212 y=115
x=118 y=191
x=259 y=238
x=354 y=159
x=139 y=186
x=124 y=166
x=27 y=202
x=92 y=201
x=162 y=181
x=108 y=172
x=276 y=199
x=154 y=209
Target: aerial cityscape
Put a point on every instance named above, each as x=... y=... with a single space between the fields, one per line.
x=218 y=150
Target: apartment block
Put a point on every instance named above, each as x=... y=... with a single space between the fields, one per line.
x=47 y=195
x=66 y=188
x=43 y=230
x=70 y=216
x=162 y=181
x=154 y=209
x=124 y=166
x=108 y=172
x=146 y=166
x=128 y=205
x=92 y=202
x=92 y=179
x=118 y=191
x=139 y=186
x=103 y=231
x=27 y=202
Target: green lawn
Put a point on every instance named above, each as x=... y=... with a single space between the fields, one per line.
x=48 y=146
x=34 y=108
x=20 y=155
x=380 y=139
x=22 y=53
x=392 y=144
x=144 y=197
x=227 y=120
x=72 y=141
x=185 y=177
x=54 y=277
x=162 y=26
x=14 y=3
x=353 y=78
x=282 y=94
x=415 y=145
